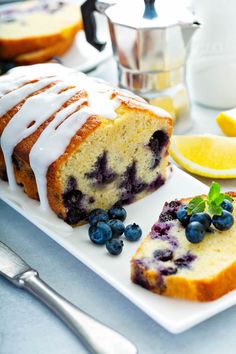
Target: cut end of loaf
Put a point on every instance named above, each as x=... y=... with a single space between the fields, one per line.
x=120 y=161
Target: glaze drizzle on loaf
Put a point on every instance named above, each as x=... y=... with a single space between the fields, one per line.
x=21 y=125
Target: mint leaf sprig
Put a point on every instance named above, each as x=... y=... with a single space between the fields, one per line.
x=213 y=201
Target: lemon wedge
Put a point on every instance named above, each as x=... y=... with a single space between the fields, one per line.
x=227 y=122
x=205 y=155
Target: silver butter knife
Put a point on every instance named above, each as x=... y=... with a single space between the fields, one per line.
x=98 y=338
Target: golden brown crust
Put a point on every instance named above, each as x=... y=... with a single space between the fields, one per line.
x=45 y=54
x=196 y=290
x=11 y=48
x=23 y=148
x=176 y=286
x=25 y=175
x=55 y=191
x=129 y=104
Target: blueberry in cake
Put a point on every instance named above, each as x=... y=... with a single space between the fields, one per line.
x=78 y=144
x=191 y=257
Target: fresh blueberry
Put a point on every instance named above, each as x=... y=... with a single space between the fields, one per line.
x=163 y=255
x=100 y=233
x=133 y=232
x=224 y=221
x=117 y=213
x=195 y=232
x=97 y=215
x=227 y=205
x=5 y=66
x=182 y=216
x=114 y=246
x=203 y=218
x=117 y=227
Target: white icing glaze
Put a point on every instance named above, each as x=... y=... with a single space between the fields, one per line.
x=102 y=104
x=39 y=70
x=51 y=144
x=18 y=128
x=7 y=85
x=99 y=94
x=19 y=76
x=14 y=97
x=55 y=138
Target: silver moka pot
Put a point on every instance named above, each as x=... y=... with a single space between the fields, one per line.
x=150 y=40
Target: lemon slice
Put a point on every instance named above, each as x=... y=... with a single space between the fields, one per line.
x=227 y=122
x=205 y=155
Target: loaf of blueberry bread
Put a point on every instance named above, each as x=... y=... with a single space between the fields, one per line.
x=76 y=143
x=179 y=258
x=43 y=28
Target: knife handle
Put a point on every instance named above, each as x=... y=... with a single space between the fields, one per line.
x=98 y=338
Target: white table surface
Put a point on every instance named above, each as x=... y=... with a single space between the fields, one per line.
x=28 y=327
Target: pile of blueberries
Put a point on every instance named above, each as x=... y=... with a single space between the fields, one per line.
x=199 y=223
x=106 y=227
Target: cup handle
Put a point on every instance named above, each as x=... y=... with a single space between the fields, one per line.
x=90 y=26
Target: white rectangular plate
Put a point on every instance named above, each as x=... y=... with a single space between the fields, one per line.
x=174 y=315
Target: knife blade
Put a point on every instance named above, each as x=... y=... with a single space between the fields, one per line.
x=98 y=338
x=11 y=265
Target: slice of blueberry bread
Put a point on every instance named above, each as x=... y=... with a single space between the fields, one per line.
x=169 y=264
x=31 y=26
x=44 y=54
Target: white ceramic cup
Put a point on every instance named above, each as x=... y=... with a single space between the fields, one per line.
x=212 y=60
